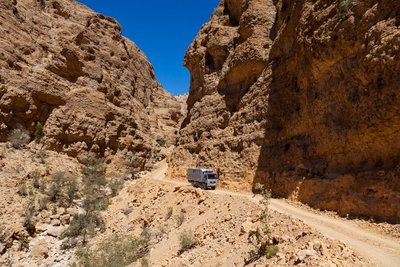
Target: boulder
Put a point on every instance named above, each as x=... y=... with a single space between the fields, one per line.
x=40 y=249
x=55 y=231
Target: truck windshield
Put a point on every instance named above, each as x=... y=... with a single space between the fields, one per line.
x=212 y=176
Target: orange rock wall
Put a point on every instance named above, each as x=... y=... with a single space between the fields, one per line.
x=302 y=96
x=69 y=68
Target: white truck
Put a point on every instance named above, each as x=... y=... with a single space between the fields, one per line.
x=201 y=177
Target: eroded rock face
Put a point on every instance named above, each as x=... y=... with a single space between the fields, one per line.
x=302 y=96
x=69 y=68
x=224 y=127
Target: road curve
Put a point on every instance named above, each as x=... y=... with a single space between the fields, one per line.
x=378 y=249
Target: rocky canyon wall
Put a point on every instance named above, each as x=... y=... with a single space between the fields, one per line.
x=302 y=96
x=69 y=68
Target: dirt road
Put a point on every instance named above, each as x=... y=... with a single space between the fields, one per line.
x=379 y=249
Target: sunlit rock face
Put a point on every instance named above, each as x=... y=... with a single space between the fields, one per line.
x=302 y=96
x=69 y=68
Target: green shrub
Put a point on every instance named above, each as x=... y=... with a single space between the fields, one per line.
x=94 y=174
x=39 y=133
x=35 y=177
x=262 y=238
x=345 y=6
x=127 y=211
x=116 y=185
x=94 y=199
x=43 y=4
x=264 y=217
x=252 y=257
x=84 y=225
x=271 y=251
x=218 y=12
x=71 y=191
x=41 y=155
x=2 y=234
x=62 y=189
x=23 y=243
x=115 y=251
x=19 y=138
x=161 y=141
x=69 y=243
x=28 y=222
x=170 y=210
x=187 y=241
x=22 y=189
x=180 y=218
x=94 y=184
x=258 y=188
x=43 y=202
x=56 y=183
x=144 y=262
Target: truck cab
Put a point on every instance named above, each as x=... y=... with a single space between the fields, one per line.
x=202 y=177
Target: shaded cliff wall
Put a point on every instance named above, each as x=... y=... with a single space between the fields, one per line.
x=312 y=111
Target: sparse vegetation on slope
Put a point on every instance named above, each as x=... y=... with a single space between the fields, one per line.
x=187 y=241
x=39 y=133
x=115 y=251
x=95 y=199
x=345 y=6
x=19 y=137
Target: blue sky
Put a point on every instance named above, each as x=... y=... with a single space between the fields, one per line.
x=162 y=29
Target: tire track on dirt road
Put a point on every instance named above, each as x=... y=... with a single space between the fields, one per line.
x=379 y=249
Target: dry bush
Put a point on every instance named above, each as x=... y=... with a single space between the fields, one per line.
x=62 y=189
x=35 y=177
x=170 y=210
x=19 y=138
x=84 y=225
x=29 y=223
x=187 y=241
x=116 y=185
x=116 y=251
x=180 y=218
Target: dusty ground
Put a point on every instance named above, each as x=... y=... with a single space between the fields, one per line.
x=219 y=222
x=376 y=242
x=390 y=231
x=222 y=222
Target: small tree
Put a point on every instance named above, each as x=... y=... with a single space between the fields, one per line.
x=266 y=198
x=39 y=133
x=28 y=222
x=62 y=189
x=95 y=199
x=262 y=237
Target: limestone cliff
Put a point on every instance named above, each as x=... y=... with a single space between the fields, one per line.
x=69 y=68
x=302 y=96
